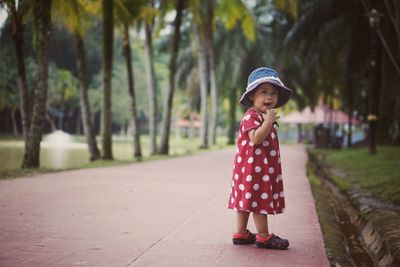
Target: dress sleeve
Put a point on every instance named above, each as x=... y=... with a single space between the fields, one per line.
x=251 y=121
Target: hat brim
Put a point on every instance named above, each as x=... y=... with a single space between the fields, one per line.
x=284 y=94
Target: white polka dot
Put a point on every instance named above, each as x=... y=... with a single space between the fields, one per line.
x=271 y=169
x=277 y=204
x=237 y=150
x=247 y=152
x=234 y=166
x=256 y=123
x=241 y=204
x=259 y=117
x=275 y=126
x=256 y=187
x=270 y=187
x=242 y=128
x=243 y=169
x=281 y=194
x=265 y=161
x=239 y=159
x=249 y=178
x=232 y=200
x=271 y=204
x=254 y=204
x=244 y=142
x=233 y=183
x=240 y=135
x=247 y=117
x=264 y=195
x=275 y=196
x=258 y=151
x=273 y=153
x=241 y=187
x=236 y=176
x=273 y=135
x=283 y=210
x=250 y=160
x=251 y=143
x=258 y=169
x=248 y=195
x=236 y=193
x=265 y=143
x=279 y=178
x=263 y=212
x=265 y=178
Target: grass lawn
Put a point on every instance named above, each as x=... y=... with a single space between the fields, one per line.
x=11 y=149
x=380 y=173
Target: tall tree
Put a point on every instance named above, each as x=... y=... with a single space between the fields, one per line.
x=42 y=25
x=108 y=38
x=164 y=146
x=17 y=13
x=127 y=12
x=75 y=15
x=149 y=15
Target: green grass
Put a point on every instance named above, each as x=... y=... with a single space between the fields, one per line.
x=379 y=174
x=178 y=147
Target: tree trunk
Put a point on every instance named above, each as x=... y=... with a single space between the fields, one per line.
x=131 y=88
x=14 y=122
x=164 y=147
x=18 y=30
x=151 y=88
x=108 y=37
x=42 y=25
x=213 y=85
x=84 y=99
x=204 y=86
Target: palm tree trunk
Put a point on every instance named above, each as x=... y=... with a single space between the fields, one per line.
x=204 y=86
x=164 y=147
x=14 y=121
x=42 y=24
x=18 y=39
x=151 y=88
x=131 y=88
x=108 y=37
x=84 y=99
x=213 y=85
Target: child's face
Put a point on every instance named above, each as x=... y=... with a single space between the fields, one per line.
x=265 y=97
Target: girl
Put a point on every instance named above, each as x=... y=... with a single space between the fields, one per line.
x=257 y=176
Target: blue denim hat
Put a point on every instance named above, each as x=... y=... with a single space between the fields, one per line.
x=265 y=75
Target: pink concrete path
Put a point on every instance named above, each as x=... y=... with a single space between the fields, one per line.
x=160 y=213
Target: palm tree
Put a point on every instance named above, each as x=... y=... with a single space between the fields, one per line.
x=164 y=146
x=75 y=15
x=17 y=14
x=42 y=24
x=128 y=10
x=108 y=37
x=149 y=15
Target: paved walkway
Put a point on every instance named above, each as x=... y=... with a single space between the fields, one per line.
x=160 y=213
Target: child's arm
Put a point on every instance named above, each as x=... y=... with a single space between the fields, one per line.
x=257 y=136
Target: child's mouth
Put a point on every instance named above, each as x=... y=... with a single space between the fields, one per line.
x=268 y=104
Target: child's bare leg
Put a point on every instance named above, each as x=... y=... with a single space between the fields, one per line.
x=242 y=219
x=261 y=222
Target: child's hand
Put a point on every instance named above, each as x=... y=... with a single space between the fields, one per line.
x=270 y=115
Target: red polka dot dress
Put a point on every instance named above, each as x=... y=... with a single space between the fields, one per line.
x=257 y=175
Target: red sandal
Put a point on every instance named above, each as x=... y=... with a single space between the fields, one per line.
x=272 y=242
x=244 y=239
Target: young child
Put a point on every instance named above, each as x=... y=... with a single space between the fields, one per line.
x=257 y=176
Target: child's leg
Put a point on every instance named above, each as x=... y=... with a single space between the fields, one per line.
x=261 y=222
x=242 y=219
